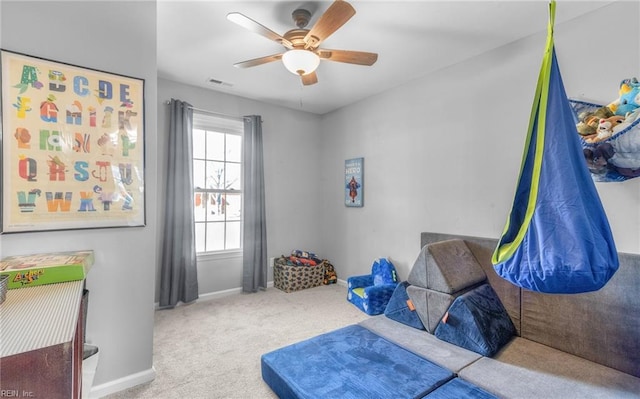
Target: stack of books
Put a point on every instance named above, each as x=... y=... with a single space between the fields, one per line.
x=47 y=268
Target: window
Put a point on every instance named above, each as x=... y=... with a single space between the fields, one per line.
x=217 y=182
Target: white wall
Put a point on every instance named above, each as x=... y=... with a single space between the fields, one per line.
x=443 y=153
x=117 y=37
x=292 y=167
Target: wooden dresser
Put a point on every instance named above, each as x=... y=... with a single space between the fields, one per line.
x=41 y=341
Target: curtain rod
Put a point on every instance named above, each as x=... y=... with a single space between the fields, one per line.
x=237 y=118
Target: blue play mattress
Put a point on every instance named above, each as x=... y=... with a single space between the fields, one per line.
x=351 y=362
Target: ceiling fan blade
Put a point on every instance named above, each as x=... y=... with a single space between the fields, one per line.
x=258 y=28
x=350 y=57
x=258 y=61
x=336 y=15
x=309 y=79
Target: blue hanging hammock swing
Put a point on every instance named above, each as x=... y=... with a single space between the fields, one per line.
x=557 y=238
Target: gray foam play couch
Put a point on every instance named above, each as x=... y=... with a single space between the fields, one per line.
x=567 y=346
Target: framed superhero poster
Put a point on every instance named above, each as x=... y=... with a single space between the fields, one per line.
x=354 y=183
x=72 y=146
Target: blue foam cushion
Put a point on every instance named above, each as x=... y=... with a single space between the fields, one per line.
x=398 y=308
x=477 y=321
x=458 y=388
x=351 y=362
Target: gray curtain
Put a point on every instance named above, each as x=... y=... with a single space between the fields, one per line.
x=178 y=273
x=254 y=246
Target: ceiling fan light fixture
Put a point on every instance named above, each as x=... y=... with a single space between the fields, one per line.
x=300 y=62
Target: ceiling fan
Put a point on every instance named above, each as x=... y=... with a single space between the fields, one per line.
x=303 y=54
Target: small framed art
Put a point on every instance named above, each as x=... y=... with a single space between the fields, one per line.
x=354 y=182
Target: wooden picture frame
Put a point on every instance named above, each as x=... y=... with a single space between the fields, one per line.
x=72 y=146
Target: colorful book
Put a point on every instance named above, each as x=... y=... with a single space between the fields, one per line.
x=47 y=268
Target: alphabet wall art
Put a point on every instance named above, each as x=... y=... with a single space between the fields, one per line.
x=72 y=147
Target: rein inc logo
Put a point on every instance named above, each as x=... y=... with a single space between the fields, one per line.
x=15 y=393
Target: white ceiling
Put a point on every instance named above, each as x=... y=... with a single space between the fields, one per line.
x=197 y=43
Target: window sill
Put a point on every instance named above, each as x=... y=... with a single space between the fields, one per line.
x=220 y=255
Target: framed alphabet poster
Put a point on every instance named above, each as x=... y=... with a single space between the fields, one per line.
x=72 y=146
x=354 y=182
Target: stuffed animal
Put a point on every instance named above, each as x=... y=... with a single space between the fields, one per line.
x=605 y=129
x=597 y=158
x=588 y=121
x=628 y=120
x=629 y=99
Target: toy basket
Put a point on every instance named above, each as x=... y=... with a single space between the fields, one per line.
x=289 y=278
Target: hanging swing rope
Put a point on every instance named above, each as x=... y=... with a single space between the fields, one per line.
x=541 y=97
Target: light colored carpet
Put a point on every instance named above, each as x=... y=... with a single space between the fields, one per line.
x=211 y=349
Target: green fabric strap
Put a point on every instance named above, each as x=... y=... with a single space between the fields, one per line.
x=539 y=111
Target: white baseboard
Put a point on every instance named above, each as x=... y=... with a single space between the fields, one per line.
x=343 y=283
x=220 y=294
x=217 y=294
x=130 y=381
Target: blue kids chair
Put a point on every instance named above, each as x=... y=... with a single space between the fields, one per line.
x=371 y=292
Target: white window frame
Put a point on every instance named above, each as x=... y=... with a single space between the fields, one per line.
x=227 y=125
